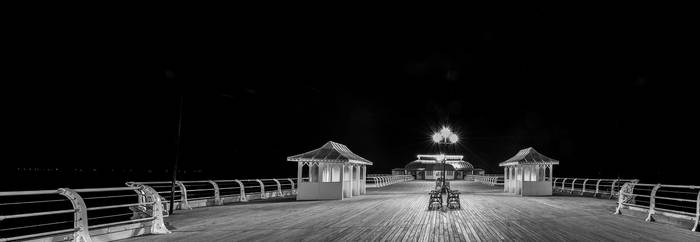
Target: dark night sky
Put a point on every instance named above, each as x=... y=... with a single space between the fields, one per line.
x=608 y=99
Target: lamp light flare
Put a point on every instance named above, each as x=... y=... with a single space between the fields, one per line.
x=453 y=138
x=445 y=132
x=437 y=137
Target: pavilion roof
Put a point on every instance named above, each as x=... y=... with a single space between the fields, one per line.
x=331 y=152
x=456 y=163
x=528 y=156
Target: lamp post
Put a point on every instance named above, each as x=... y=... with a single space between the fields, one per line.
x=444 y=136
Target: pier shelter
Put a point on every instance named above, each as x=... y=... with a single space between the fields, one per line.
x=528 y=173
x=334 y=173
x=430 y=167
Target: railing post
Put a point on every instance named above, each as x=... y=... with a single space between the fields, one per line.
x=596 y=188
x=294 y=190
x=612 y=188
x=242 y=196
x=183 y=196
x=80 y=219
x=583 y=189
x=157 y=210
x=554 y=187
x=652 y=203
x=262 y=189
x=562 y=185
x=279 y=188
x=217 y=195
x=697 y=213
x=572 y=186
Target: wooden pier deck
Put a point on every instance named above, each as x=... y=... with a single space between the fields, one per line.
x=399 y=213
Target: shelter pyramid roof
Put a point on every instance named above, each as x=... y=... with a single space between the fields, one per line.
x=528 y=156
x=331 y=152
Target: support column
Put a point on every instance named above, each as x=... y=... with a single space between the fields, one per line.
x=522 y=178
x=342 y=181
x=312 y=176
x=364 y=179
x=505 y=178
x=511 y=187
x=551 y=172
x=358 y=182
x=350 y=176
x=299 y=167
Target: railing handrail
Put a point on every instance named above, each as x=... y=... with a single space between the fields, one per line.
x=490 y=179
x=148 y=197
x=380 y=180
x=585 y=183
x=627 y=195
x=80 y=209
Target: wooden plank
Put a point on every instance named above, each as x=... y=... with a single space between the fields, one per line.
x=399 y=213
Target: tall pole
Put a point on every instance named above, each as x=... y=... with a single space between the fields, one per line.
x=444 y=158
x=177 y=155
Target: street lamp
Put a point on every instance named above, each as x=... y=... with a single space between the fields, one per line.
x=444 y=136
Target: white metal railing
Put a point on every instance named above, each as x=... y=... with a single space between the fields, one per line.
x=218 y=192
x=493 y=180
x=678 y=201
x=381 y=180
x=147 y=207
x=148 y=204
x=595 y=187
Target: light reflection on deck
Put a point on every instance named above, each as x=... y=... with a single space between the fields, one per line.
x=399 y=212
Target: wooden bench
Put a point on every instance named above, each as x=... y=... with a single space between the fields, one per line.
x=435 y=201
x=453 y=199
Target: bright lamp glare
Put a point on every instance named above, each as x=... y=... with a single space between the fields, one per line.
x=445 y=132
x=453 y=138
x=437 y=138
